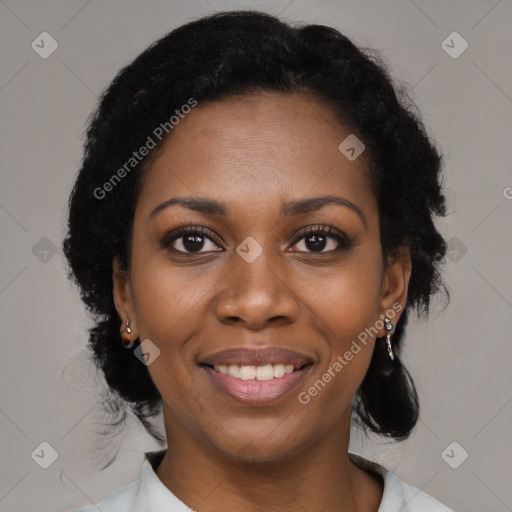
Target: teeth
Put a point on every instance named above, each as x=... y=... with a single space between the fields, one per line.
x=265 y=372
x=247 y=372
x=278 y=370
x=233 y=370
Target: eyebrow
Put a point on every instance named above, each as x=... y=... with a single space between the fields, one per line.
x=289 y=208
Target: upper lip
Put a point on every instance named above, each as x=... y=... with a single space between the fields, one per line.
x=257 y=356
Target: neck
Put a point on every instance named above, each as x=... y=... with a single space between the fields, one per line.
x=320 y=477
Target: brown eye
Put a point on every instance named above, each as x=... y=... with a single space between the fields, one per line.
x=323 y=240
x=190 y=240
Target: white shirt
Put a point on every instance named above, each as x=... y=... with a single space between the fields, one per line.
x=149 y=494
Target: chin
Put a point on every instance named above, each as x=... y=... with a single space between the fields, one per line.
x=261 y=448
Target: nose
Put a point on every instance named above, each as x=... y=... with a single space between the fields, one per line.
x=256 y=294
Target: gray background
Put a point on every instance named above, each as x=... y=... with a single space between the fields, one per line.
x=460 y=358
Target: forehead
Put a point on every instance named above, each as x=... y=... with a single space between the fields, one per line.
x=257 y=149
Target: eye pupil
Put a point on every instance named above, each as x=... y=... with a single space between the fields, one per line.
x=190 y=240
x=318 y=244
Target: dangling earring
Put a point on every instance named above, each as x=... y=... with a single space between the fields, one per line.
x=127 y=342
x=389 y=328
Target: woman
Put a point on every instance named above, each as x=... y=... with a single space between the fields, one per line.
x=251 y=226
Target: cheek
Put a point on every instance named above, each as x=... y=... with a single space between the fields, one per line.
x=167 y=306
x=348 y=301
x=166 y=300
x=347 y=311
x=168 y=310
x=346 y=355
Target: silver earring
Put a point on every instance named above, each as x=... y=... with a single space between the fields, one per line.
x=127 y=342
x=389 y=328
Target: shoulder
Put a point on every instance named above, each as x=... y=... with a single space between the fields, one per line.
x=398 y=495
x=120 y=499
x=147 y=493
x=419 y=501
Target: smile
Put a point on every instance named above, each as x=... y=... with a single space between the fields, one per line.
x=256 y=385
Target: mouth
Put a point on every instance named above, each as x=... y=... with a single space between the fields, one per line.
x=262 y=385
x=256 y=375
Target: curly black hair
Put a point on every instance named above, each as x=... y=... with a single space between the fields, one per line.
x=236 y=53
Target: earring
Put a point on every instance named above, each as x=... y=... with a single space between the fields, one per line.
x=389 y=328
x=127 y=342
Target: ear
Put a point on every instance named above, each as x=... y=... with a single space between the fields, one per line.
x=395 y=284
x=122 y=294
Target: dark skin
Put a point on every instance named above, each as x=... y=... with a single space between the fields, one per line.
x=253 y=153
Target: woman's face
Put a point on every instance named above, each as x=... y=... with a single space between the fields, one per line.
x=248 y=276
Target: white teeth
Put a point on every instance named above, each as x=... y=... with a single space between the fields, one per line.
x=265 y=372
x=233 y=370
x=247 y=372
x=278 y=370
x=288 y=368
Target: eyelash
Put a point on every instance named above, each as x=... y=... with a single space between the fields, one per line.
x=343 y=240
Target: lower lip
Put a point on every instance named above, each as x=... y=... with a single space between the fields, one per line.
x=256 y=392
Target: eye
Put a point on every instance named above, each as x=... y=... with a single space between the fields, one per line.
x=191 y=239
x=318 y=238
